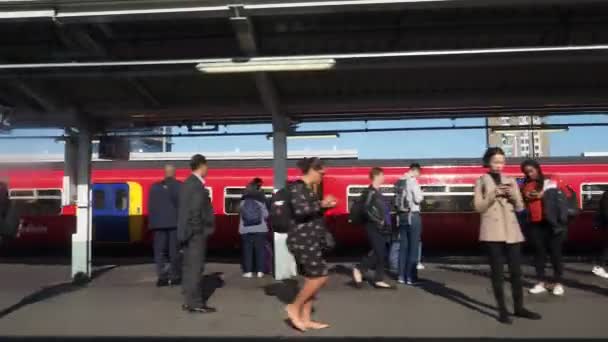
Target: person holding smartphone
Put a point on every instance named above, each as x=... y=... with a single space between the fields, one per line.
x=306 y=241
x=543 y=233
x=497 y=198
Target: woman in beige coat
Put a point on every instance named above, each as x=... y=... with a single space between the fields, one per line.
x=497 y=199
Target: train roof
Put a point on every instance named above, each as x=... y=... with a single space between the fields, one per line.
x=331 y=162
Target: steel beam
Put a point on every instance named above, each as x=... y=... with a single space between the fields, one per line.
x=76 y=38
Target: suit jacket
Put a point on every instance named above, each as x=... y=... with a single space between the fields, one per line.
x=498 y=218
x=195 y=215
x=163 y=204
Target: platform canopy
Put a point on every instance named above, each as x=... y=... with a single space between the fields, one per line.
x=134 y=63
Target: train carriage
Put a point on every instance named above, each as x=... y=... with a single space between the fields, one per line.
x=120 y=189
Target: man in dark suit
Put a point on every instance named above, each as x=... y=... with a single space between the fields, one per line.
x=162 y=218
x=195 y=225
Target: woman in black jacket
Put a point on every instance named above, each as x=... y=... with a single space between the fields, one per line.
x=306 y=240
x=378 y=229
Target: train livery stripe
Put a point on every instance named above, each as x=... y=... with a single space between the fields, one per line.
x=135 y=212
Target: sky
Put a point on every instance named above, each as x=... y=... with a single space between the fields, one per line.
x=408 y=144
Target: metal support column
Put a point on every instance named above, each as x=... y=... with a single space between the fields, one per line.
x=70 y=172
x=81 y=240
x=279 y=150
x=284 y=262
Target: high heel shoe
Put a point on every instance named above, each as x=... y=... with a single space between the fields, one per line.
x=357 y=278
x=383 y=286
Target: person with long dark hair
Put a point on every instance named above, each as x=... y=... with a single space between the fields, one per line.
x=545 y=232
x=497 y=198
x=306 y=240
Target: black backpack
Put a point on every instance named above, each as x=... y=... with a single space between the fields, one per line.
x=401 y=203
x=280 y=210
x=357 y=213
x=9 y=224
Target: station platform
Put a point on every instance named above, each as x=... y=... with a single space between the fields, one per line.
x=455 y=301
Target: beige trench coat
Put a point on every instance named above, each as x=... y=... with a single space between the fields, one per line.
x=498 y=220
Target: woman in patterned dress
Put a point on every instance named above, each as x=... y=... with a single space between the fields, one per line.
x=306 y=240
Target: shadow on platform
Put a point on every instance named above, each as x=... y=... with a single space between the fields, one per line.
x=53 y=291
x=575 y=284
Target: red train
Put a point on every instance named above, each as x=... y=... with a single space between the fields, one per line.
x=120 y=191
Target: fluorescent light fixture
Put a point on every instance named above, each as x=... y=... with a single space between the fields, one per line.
x=142 y=11
x=305 y=135
x=266 y=66
x=544 y=129
x=27 y=14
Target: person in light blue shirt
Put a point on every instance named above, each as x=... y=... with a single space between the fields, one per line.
x=410 y=227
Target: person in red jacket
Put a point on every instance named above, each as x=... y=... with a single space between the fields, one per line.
x=542 y=234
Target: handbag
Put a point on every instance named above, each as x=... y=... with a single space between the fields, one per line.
x=330 y=241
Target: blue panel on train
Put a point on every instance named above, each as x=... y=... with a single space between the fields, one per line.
x=111 y=212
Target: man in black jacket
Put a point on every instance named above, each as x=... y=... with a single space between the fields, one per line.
x=162 y=218
x=601 y=223
x=378 y=228
x=9 y=217
x=195 y=225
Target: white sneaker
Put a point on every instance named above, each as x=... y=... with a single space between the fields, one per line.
x=260 y=275
x=248 y=275
x=538 y=289
x=600 y=272
x=558 y=290
x=420 y=266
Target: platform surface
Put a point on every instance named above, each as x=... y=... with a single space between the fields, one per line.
x=455 y=301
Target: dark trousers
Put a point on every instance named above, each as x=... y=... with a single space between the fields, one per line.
x=254 y=248
x=376 y=259
x=165 y=244
x=193 y=268
x=544 y=238
x=409 y=249
x=496 y=251
x=603 y=255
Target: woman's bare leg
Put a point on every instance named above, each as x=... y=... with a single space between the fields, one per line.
x=307 y=312
x=296 y=310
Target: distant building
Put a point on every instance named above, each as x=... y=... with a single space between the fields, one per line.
x=519 y=143
x=595 y=154
x=147 y=145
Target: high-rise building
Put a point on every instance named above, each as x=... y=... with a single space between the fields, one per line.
x=518 y=143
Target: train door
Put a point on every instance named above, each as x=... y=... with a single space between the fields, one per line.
x=117 y=212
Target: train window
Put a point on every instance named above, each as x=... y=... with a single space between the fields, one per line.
x=447 y=199
x=591 y=194
x=22 y=193
x=354 y=191
x=99 y=199
x=37 y=202
x=462 y=188
x=121 y=200
x=433 y=188
x=232 y=198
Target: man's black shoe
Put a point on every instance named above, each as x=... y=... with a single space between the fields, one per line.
x=201 y=309
x=504 y=318
x=162 y=283
x=176 y=282
x=523 y=313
